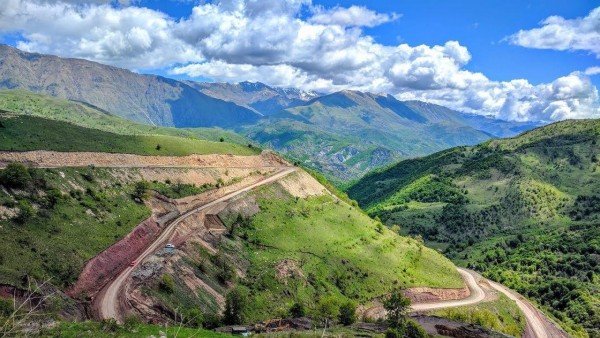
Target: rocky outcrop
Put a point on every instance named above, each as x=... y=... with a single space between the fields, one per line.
x=107 y=265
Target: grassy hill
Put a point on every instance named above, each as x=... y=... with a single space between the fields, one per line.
x=55 y=220
x=522 y=210
x=25 y=132
x=88 y=116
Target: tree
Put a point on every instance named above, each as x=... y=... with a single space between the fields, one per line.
x=297 y=310
x=235 y=302
x=140 y=191
x=347 y=313
x=328 y=308
x=15 y=175
x=221 y=140
x=397 y=307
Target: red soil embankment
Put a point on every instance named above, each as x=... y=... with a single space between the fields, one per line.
x=107 y=265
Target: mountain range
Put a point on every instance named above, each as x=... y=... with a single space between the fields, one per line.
x=343 y=134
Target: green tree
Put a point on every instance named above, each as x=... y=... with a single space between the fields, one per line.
x=15 y=175
x=221 y=140
x=347 y=313
x=140 y=191
x=397 y=307
x=328 y=308
x=235 y=302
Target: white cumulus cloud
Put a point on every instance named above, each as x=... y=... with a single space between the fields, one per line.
x=269 y=41
x=357 y=16
x=563 y=34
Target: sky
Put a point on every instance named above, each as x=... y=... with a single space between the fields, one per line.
x=511 y=59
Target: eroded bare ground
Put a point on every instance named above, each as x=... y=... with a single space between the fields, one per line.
x=54 y=159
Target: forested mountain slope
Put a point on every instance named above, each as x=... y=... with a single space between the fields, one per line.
x=523 y=210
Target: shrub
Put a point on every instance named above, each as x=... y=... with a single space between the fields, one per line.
x=413 y=330
x=25 y=212
x=140 y=191
x=194 y=318
x=15 y=175
x=297 y=310
x=347 y=313
x=396 y=306
x=235 y=302
x=328 y=308
x=221 y=140
x=167 y=283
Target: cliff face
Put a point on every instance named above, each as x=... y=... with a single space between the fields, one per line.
x=143 y=98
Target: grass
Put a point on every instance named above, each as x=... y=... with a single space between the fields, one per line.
x=337 y=252
x=85 y=115
x=102 y=329
x=24 y=133
x=502 y=315
x=93 y=213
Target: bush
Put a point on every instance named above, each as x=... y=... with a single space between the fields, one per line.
x=25 y=212
x=328 y=308
x=15 y=175
x=297 y=310
x=140 y=191
x=413 y=330
x=347 y=313
x=397 y=306
x=393 y=333
x=212 y=320
x=235 y=302
x=167 y=283
x=194 y=318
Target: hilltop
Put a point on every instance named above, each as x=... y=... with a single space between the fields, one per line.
x=523 y=210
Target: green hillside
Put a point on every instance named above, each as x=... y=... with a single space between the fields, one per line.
x=25 y=132
x=88 y=116
x=308 y=251
x=522 y=210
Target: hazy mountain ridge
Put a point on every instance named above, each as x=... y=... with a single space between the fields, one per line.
x=343 y=134
x=148 y=99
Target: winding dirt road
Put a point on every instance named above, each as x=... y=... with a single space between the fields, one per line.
x=538 y=325
x=108 y=301
x=477 y=295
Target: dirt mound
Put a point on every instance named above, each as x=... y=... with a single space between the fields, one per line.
x=106 y=266
x=54 y=159
x=425 y=295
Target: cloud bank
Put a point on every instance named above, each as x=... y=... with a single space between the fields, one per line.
x=289 y=43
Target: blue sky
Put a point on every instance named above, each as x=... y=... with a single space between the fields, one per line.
x=478 y=25
x=518 y=60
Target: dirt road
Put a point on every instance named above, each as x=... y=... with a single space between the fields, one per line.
x=477 y=295
x=107 y=302
x=538 y=324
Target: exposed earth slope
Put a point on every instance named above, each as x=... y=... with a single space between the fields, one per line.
x=523 y=210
